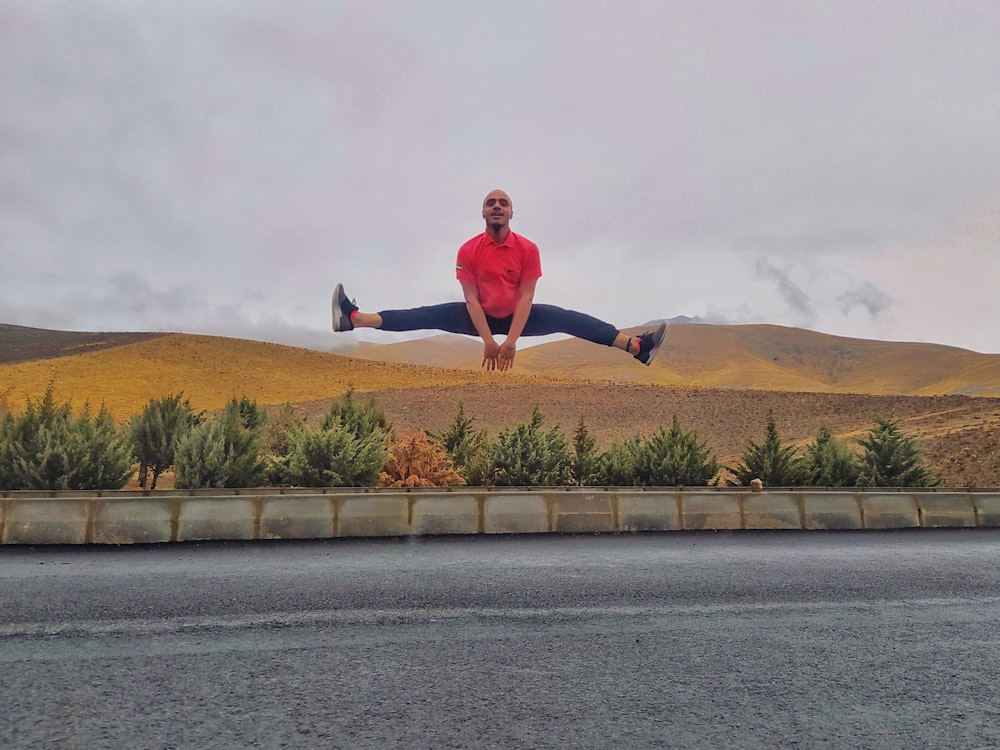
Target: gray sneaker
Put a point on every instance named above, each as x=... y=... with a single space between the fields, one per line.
x=649 y=344
x=342 y=309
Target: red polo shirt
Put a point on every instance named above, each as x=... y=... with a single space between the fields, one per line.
x=498 y=270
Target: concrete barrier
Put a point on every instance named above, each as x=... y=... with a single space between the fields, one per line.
x=987 y=509
x=830 y=511
x=711 y=511
x=126 y=517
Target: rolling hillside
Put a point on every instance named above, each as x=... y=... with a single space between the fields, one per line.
x=749 y=357
x=211 y=370
x=719 y=380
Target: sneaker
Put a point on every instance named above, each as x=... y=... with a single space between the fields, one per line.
x=342 y=309
x=649 y=344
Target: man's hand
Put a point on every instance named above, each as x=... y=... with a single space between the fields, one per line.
x=505 y=359
x=491 y=352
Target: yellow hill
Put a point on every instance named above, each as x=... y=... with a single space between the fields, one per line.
x=766 y=357
x=211 y=370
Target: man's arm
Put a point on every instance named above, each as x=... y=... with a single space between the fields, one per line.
x=525 y=298
x=475 y=308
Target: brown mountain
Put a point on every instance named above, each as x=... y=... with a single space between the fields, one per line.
x=755 y=357
x=719 y=380
x=441 y=350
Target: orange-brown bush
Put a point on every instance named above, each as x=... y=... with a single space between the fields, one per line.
x=417 y=462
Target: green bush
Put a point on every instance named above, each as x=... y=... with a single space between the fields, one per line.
x=891 y=458
x=276 y=444
x=47 y=448
x=584 y=462
x=221 y=452
x=673 y=458
x=618 y=465
x=527 y=456
x=829 y=462
x=775 y=464
x=156 y=432
x=667 y=458
x=361 y=420
x=347 y=450
x=470 y=450
x=334 y=456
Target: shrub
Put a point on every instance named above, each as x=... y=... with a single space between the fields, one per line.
x=276 y=439
x=47 y=448
x=671 y=458
x=347 y=450
x=829 y=462
x=618 y=465
x=583 y=464
x=361 y=420
x=528 y=457
x=334 y=456
x=891 y=458
x=417 y=462
x=470 y=449
x=774 y=464
x=156 y=432
x=221 y=452
x=252 y=416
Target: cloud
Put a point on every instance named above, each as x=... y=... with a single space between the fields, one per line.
x=222 y=165
x=868 y=297
x=791 y=293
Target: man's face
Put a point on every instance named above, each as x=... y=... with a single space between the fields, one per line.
x=497 y=208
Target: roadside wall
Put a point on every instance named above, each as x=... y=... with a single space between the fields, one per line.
x=133 y=517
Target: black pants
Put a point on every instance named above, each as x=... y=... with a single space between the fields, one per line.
x=544 y=319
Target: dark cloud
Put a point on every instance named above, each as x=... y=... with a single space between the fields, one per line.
x=791 y=293
x=867 y=297
x=232 y=161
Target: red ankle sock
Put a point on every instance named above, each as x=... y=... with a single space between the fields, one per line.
x=351 y=316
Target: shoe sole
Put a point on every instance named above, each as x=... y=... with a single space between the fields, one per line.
x=658 y=337
x=338 y=314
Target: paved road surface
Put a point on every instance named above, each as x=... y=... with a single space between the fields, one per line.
x=777 y=640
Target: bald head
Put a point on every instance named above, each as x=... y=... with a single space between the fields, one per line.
x=498 y=209
x=497 y=195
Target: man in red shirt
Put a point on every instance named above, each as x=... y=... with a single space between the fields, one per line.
x=498 y=270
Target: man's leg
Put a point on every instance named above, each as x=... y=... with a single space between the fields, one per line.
x=546 y=319
x=450 y=316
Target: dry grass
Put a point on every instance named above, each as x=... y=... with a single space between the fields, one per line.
x=211 y=370
x=807 y=379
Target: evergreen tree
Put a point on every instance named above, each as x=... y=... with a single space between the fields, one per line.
x=618 y=465
x=276 y=440
x=252 y=416
x=829 y=462
x=156 y=431
x=360 y=419
x=891 y=458
x=527 y=456
x=583 y=466
x=776 y=465
x=470 y=449
x=47 y=448
x=221 y=452
x=673 y=457
x=335 y=456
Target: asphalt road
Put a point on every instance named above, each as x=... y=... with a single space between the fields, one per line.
x=776 y=640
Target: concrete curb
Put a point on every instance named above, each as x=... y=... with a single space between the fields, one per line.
x=129 y=517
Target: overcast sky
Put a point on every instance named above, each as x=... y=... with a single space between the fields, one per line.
x=217 y=166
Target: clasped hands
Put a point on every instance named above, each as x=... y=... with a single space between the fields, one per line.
x=498 y=356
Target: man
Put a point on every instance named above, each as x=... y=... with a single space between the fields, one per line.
x=498 y=270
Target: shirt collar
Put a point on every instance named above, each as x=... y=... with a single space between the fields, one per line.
x=509 y=242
